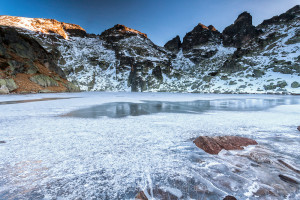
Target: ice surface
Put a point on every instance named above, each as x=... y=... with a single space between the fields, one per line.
x=50 y=155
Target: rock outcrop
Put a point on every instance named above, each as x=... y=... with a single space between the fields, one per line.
x=241 y=32
x=200 y=35
x=173 y=45
x=298 y=128
x=213 y=145
x=21 y=59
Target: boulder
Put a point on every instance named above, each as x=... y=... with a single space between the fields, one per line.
x=298 y=128
x=9 y=84
x=213 y=145
x=4 y=90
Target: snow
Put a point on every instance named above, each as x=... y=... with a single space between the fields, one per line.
x=49 y=154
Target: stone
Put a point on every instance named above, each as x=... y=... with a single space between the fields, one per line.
x=298 y=128
x=229 y=198
x=4 y=89
x=213 y=145
x=2 y=142
x=43 y=80
x=9 y=83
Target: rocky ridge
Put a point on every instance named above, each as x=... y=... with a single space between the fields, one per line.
x=241 y=59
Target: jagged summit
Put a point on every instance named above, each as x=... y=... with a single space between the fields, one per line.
x=120 y=29
x=200 y=35
x=173 y=45
x=241 y=32
x=46 y=26
x=245 y=18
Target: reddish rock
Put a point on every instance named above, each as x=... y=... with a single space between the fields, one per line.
x=229 y=198
x=157 y=194
x=213 y=145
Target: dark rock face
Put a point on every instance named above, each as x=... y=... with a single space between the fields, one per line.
x=173 y=45
x=241 y=32
x=231 y=64
x=26 y=48
x=200 y=35
x=213 y=145
x=283 y=18
x=23 y=59
x=298 y=128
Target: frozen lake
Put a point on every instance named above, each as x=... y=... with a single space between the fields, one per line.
x=113 y=145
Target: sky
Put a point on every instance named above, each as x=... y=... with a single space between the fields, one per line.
x=161 y=20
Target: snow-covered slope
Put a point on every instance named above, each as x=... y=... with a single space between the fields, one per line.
x=242 y=59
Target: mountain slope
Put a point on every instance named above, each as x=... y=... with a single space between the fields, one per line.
x=241 y=59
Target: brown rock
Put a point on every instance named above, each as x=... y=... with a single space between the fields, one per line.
x=157 y=194
x=213 y=145
x=229 y=198
x=298 y=128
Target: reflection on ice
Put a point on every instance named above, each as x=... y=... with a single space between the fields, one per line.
x=124 y=109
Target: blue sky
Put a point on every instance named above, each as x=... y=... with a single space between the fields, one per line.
x=160 y=19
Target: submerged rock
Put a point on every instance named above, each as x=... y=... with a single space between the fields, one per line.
x=2 y=142
x=213 y=145
x=229 y=198
x=156 y=193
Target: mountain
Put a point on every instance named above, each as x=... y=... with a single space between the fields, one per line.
x=242 y=59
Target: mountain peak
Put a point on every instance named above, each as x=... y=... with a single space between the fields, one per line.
x=245 y=18
x=45 y=26
x=119 y=28
x=174 y=44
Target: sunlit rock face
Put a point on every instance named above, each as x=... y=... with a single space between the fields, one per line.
x=43 y=25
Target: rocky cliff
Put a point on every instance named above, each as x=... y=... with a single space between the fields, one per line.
x=241 y=59
x=25 y=66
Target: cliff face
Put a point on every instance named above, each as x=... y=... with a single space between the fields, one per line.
x=25 y=66
x=241 y=59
